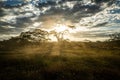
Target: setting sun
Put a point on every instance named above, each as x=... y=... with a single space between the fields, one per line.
x=60 y=28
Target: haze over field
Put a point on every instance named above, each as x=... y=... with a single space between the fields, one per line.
x=91 y=20
x=59 y=39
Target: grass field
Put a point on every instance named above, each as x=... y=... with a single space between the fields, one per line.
x=61 y=61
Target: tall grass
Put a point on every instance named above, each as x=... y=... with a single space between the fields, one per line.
x=77 y=61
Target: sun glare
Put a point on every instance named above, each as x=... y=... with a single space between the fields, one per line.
x=60 y=28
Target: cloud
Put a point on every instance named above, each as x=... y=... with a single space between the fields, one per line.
x=91 y=20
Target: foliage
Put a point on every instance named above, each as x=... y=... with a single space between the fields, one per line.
x=114 y=37
x=37 y=35
x=59 y=35
x=26 y=60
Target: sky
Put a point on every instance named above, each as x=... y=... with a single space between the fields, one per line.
x=92 y=21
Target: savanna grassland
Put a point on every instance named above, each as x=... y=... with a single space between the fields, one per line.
x=60 y=61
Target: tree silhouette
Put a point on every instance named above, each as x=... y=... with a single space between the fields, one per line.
x=59 y=35
x=36 y=35
x=114 y=37
x=41 y=35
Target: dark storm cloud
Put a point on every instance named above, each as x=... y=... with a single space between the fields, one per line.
x=20 y=22
x=23 y=22
x=89 y=8
x=79 y=11
x=4 y=23
x=16 y=27
x=75 y=13
x=6 y=28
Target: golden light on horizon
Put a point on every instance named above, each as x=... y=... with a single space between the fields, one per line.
x=60 y=28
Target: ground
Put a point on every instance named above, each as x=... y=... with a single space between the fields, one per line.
x=61 y=61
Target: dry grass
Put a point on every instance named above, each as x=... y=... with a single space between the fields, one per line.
x=76 y=61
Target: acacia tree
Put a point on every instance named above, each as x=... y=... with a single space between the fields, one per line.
x=36 y=35
x=41 y=35
x=59 y=35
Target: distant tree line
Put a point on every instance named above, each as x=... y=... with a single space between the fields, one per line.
x=114 y=37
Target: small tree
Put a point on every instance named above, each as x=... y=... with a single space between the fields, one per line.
x=114 y=37
x=59 y=35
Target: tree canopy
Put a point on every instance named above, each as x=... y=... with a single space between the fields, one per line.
x=36 y=35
